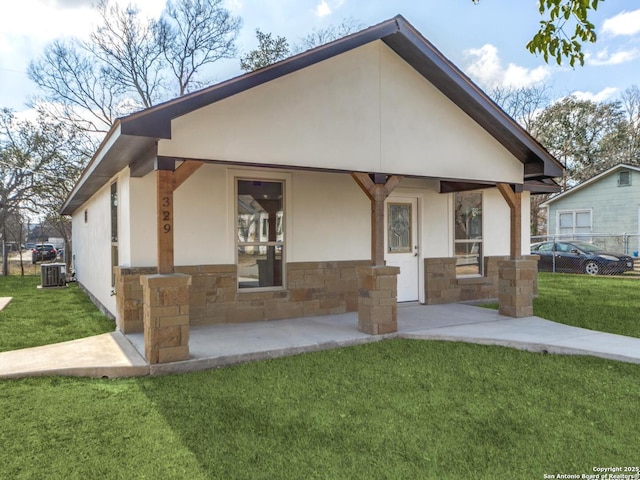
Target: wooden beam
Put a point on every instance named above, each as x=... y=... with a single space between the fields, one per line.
x=365 y=183
x=450 y=187
x=165 y=182
x=392 y=182
x=377 y=193
x=507 y=193
x=514 y=200
x=184 y=171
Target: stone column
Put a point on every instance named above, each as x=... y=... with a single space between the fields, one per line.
x=516 y=286
x=166 y=317
x=378 y=299
x=129 y=299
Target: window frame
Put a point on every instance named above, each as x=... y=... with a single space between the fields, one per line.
x=114 y=217
x=573 y=233
x=628 y=173
x=281 y=224
x=479 y=241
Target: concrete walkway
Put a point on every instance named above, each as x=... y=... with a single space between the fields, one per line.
x=117 y=355
x=4 y=301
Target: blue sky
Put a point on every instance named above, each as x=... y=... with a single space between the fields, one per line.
x=487 y=40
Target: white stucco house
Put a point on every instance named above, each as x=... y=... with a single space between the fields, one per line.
x=360 y=173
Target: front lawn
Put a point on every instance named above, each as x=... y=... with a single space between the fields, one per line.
x=394 y=409
x=607 y=304
x=42 y=316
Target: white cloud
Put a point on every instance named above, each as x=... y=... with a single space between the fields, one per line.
x=323 y=9
x=487 y=70
x=604 y=58
x=625 y=23
x=601 y=96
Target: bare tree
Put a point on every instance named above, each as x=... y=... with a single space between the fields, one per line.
x=321 y=36
x=38 y=168
x=127 y=49
x=195 y=33
x=523 y=104
x=130 y=62
x=77 y=89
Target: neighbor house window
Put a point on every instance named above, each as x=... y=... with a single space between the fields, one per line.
x=114 y=231
x=624 y=178
x=260 y=233
x=468 y=233
x=575 y=223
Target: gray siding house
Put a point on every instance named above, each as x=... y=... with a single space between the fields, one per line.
x=604 y=209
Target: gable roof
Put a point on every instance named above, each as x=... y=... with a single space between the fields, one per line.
x=131 y=136
x=589 y=182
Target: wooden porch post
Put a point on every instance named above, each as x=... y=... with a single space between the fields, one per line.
x=514 y=200
x=165 y=180
x=377 y=193
x=516 y=276
x=168 y=180
x=166 y=295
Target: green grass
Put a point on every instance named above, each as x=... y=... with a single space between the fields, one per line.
x=39 y=317
x=395 y=409
x=606 y=304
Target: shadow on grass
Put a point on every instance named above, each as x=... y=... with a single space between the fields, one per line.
x=405 y=409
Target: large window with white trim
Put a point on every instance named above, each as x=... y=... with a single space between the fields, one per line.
x=574 y=222
x=468 y=233
x=260 y=233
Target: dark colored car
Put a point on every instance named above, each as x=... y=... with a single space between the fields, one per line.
x=42 y=252
x=579 y=257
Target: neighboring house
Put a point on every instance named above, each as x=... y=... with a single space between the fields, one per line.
x=608 y=203
x=282 y=193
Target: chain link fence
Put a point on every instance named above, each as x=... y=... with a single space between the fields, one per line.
x=593 y=253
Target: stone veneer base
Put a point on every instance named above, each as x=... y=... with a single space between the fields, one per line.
x=313 y=288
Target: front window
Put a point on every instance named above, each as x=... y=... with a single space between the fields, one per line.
x=468 y=233
x=260 y=233
x=575 y=223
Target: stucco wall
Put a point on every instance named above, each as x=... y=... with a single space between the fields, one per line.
x=327 y=217
x=365 y=110
x=92 y=247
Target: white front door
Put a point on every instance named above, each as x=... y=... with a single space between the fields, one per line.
x=401 y=244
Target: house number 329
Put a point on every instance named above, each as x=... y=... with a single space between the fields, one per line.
x=166 y=215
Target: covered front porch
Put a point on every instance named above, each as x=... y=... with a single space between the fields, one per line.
x=169 y=300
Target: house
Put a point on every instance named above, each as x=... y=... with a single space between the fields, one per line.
x=346 y=178
x=607 y=204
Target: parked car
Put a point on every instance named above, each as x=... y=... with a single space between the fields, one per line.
x=579 y=257
x=42 y=252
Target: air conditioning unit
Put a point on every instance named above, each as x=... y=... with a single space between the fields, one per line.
x=53 y=275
